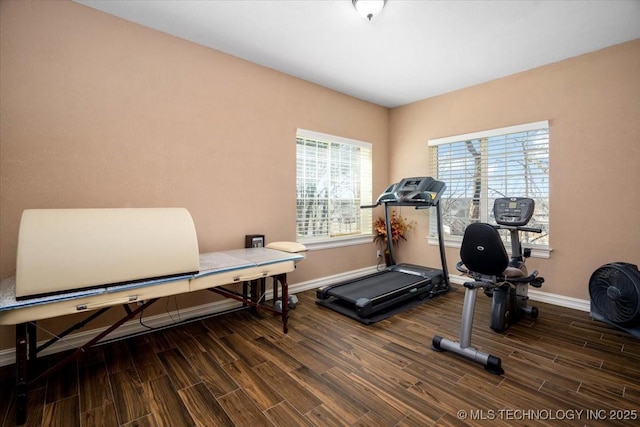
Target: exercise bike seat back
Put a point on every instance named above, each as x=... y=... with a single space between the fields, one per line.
x=483 y=253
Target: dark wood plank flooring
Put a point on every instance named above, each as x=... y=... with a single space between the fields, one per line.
x=241 y=370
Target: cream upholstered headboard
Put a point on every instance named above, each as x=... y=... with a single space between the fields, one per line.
x=64 y=249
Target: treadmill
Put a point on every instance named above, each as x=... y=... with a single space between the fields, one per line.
x=398 y=287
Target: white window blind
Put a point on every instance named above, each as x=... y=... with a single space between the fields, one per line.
x=480 y=167
x=333 y=180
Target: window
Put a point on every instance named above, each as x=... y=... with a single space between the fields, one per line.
x=483 y=166
x=333 y=179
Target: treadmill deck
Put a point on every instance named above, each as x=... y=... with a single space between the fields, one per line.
x=394 y=289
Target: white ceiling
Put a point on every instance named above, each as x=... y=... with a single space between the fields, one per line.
x=413 y=50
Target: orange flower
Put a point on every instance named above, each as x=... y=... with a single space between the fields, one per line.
x=399 y=227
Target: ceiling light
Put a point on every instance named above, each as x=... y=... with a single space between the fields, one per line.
x=369 y=8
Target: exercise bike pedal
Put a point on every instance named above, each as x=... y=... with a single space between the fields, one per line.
x=537 y=282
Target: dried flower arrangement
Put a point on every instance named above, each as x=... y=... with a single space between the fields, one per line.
x=399 y=227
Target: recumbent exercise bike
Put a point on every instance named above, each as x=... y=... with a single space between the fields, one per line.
x=485 y=260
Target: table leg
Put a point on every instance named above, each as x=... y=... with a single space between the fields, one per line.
x=21 y=373
x=245 y=293
x=282 y=278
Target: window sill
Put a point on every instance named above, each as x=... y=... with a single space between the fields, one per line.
x=337 y=242
x=535 y=252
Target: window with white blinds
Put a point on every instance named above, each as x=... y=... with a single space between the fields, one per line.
x=333 y=179
x=480 y=167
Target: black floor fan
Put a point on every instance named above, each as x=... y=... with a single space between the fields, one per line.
x=615 y=296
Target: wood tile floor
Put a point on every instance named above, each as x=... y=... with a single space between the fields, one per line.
x=241 y=370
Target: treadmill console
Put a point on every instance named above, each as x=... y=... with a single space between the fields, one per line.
x=515 y=211
x=417 y=191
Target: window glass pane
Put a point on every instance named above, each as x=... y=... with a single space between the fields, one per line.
x=333 y=181
x=480 y=169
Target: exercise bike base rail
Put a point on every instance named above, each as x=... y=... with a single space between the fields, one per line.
x=492 y=364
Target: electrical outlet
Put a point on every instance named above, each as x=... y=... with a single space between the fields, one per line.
x=378 y=253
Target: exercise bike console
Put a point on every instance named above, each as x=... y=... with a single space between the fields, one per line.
x=516 y=211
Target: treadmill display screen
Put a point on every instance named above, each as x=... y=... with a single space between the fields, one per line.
x=420 y=192
x=411 y=185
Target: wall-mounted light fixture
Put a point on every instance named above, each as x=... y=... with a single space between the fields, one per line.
x=369 y=8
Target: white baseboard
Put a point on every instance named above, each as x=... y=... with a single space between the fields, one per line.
x=536 y=295
x=560 y=300
x=330 y=280
x=7 y=356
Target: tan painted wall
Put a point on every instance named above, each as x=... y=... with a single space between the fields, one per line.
x=99 y=112
x=592 y=103
x=96 y=111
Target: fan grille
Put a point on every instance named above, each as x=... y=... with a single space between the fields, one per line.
x=615 y=293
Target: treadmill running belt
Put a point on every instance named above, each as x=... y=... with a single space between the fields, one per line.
x=349 y=309
x=379 y=295
x=376 y=286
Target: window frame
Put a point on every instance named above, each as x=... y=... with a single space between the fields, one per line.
x=366 y=221
x=537 y=250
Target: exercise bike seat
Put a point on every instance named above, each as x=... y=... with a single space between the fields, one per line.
x=483 y=252
x=512 y=272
